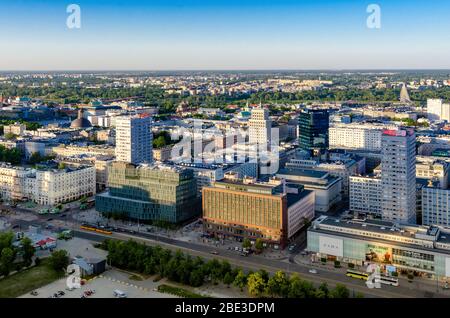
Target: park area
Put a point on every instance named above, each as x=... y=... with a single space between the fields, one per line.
x=28 y=280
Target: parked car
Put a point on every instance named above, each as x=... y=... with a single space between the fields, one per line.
x=312 y=271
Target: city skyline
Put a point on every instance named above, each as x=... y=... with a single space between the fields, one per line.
x=200 y=35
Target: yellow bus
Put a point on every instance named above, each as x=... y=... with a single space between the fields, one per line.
x=358 y=275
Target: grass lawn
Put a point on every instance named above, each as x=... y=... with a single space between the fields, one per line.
x=178 y=291
x=28 y=280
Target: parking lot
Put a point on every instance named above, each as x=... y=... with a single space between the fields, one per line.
x=102 y=287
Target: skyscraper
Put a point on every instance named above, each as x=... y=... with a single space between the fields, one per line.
x=134 y=139
x=260 y=127
x=398 y=175
x=313 y=130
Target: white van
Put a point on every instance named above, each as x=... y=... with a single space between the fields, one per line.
x=119 y=294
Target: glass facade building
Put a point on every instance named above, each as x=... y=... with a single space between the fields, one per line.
x=425 y=250
x=157 y=193
x=313 y=130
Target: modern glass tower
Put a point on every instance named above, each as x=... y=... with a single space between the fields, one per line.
x=313 y=130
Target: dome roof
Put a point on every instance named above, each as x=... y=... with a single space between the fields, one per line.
x=80 y=122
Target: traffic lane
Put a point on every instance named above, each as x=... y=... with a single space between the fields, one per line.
x=253 y=263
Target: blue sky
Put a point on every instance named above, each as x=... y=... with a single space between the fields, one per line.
x=218 y=34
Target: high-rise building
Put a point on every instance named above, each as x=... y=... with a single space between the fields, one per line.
x=398 y=175
x=150 y=192
x=260 y=127
x=313 y=130
x=134 y=139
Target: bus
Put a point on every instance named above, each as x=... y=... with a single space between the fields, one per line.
x=392 y=281
x=358 y=275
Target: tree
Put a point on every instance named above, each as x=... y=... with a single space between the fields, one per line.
x=7 y=257
x=259 y=245
x=340 y=291
x=256 y=284
x=246 y=243
x=240 y=280
x=323 y=291
x=10 y=136
x=196 y=278
x=27 y=251
x=278 y=285
x=59 y=260
x=228 y=279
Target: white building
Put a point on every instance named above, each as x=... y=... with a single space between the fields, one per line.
x=357 y=136
x=437 y=110
x=301 y=207
x=398 y=175
x=46 y=187
x=435 y=206
x=260 y=127
x=134 y=139
x=434 y=169
x=365 y=194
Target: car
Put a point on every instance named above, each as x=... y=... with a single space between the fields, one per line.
x=215 y=252
x=243 y=254
x=15 y=226
x=62 y=216
x=70 y=288
x=49 y=219
x=34 y=293
x=312 y=271
x=61 y=293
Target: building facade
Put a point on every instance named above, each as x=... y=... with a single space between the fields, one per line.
x=398 y=176
x=150 y=192
x=248 y=209
x=313 y=130
x=395 y=248
x=134 y=139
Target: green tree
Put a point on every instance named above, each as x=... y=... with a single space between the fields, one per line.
x=246 y=243
x=7 y=257
x=59 y=260
x=256 y=284
x=10 y=136
x=196 y=278
x=340 y=291
x=28 y=251
x=278 y=285
x=240 y=280
x=228 y=279
x=259 y=245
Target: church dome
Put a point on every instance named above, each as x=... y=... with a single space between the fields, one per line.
x=80 y=122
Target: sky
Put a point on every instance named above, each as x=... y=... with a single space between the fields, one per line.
x=224 y=35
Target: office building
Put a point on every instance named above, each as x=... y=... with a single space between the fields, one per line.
x=365 y=194
x=313 y=131
x=327 y=189
x=243 y=208
x=150 y=192
x=260 y=128
x=134 y=139
x=398 y=176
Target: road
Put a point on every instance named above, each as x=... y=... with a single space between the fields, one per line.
x=256 y=262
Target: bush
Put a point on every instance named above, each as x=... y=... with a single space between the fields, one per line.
x=177 y=291
x=323 y=260
x=351 y=265
x=37 y=261
x=337 y=264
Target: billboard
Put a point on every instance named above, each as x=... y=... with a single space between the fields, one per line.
x=331 y=246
